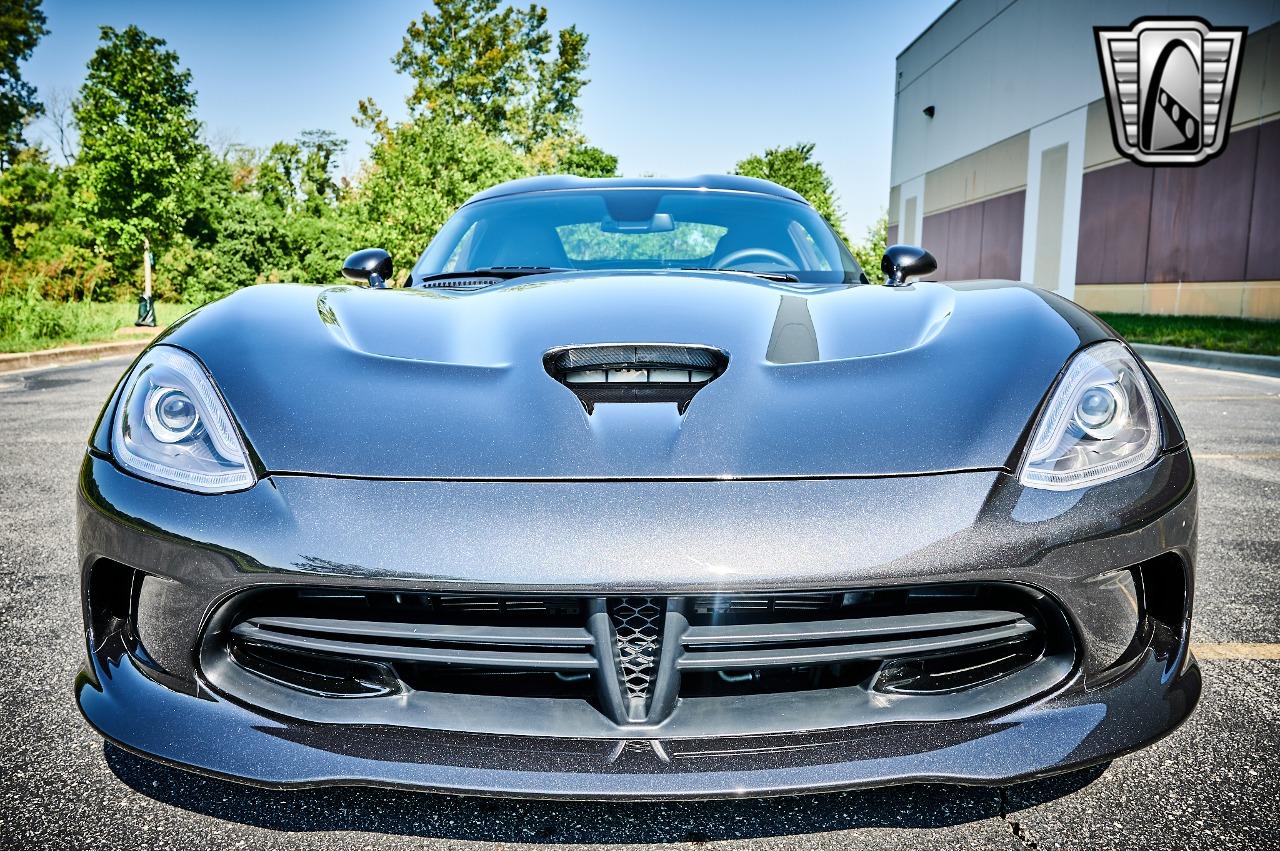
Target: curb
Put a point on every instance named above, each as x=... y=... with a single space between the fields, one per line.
x=68 y=354
x=1256 y=364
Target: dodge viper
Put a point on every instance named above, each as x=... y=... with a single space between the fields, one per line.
x=637 y=489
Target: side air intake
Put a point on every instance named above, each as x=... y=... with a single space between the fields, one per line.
x=627 y=372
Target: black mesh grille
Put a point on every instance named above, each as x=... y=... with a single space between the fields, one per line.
x=687 y=357
x=640 y=372
x=637 y=622
x=461 y=283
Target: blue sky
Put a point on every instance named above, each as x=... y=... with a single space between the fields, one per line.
x=677 y=88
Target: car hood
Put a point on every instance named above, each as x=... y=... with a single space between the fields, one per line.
x=836 y=381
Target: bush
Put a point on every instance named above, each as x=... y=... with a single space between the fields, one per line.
x=420 y=172
x=28 y=322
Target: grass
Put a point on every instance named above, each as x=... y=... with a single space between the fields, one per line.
x=1250 y=336
x=30 y=324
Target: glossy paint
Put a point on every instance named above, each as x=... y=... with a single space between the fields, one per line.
x=320 y=531
x=861 y=436
x=831 y=381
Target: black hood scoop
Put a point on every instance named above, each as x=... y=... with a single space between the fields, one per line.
x=635 y=372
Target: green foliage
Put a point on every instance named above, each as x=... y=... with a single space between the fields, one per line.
x=27 y=190
x=795 y=168
x=481 y=62
x=41 y=243
x=141 y=163
x=28 y=322
x=420 y=172
x=495 y=98
x=21 y=26
x=870 y=251
x=1219 y=333
x=588 y=161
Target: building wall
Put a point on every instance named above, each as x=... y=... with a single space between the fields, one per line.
x=1017 y=175
x=1015 y=64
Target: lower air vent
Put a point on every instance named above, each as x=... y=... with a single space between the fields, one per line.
x=615 y=372
x=737 y=663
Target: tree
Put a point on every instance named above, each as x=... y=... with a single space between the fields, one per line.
x=60 y=117
x=21 y=26
x=589 y=161
x=27 y=191
x=300 y=173
x=570 y=155
x=141 y=160
x=477 y=61
x=319 y=150
x=277 y=175
x=419 y=173
x=795 y=168
x=870 y=251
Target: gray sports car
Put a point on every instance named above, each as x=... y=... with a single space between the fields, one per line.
x=637 y=489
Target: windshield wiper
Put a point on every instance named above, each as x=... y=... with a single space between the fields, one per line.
x=506 y=273
x=785 y=277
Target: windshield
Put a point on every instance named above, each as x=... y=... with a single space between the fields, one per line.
x=642 y=229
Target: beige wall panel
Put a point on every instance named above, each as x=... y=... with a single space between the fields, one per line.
x=944 y=187
x=1257 y=75
x=1251 y=300
x=895 y=196
x=996 y=170
x=1163 y=300
x=1211 y=300
x=1112 y=298
x=1271 y=82
x=1262 y=300
x=1099 y=144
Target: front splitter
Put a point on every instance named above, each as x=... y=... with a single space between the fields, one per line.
x=210 y=735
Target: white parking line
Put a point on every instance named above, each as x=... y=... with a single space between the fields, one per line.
x=1236 y=651
x=1236 y=456
x=1232 y=373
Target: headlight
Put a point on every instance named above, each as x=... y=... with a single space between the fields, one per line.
x=1100 y=424
x=172 y=427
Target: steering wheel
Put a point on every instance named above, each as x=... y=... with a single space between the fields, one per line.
x=735 y=257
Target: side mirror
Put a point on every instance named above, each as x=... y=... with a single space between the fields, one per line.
x=370 y=265
x=905 y=261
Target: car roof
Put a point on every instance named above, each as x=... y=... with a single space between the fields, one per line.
x=561 y=182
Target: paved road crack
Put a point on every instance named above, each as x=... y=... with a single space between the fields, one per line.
x=1019 y=831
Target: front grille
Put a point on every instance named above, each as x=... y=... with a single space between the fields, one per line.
x=637 y=627
x=553 y=665
x=735 y=604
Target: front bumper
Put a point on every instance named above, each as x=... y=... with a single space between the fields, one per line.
x=653 y=538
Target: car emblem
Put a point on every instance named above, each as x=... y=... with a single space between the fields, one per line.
x=1170 y=84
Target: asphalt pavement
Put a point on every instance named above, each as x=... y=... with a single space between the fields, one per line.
x=1214 y=783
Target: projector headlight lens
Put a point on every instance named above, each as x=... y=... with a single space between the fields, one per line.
x=170 y=414
x=172 y=427
x=1100 y=424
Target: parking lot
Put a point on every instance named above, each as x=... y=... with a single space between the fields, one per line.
x=1214 y=783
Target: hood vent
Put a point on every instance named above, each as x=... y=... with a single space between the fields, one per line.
x=478 y=283
x=648 y=372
